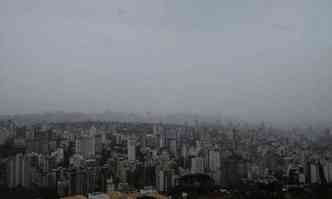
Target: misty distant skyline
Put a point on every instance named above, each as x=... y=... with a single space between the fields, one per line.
x=256 y=60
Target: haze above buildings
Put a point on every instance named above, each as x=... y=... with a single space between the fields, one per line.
x=255 y=60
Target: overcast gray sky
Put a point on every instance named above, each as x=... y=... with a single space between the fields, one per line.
x=258 y=59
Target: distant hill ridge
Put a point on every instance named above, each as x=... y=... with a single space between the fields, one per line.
x=60 y=116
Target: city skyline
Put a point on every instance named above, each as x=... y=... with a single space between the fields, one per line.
x=99 y=160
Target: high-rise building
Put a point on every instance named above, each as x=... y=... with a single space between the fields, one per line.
x=100 y=140
x=4 y=135
x=197 y=165
x=329 y=168
x=184 y=151
x=164 y=180
x=18 y=171
x=160 y=180
x=131 y=147
x=314 y=175
x=214 y=160
x=122 y=170
x=173 y=146
x=157 y=129
x=110 y=185
x=85 y=145
x=162 y=141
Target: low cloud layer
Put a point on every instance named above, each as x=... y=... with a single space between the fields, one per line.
x=258 y=60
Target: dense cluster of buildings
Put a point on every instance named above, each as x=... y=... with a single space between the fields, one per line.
x=88 y=157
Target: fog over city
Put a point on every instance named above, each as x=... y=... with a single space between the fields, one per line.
x=256 y=60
